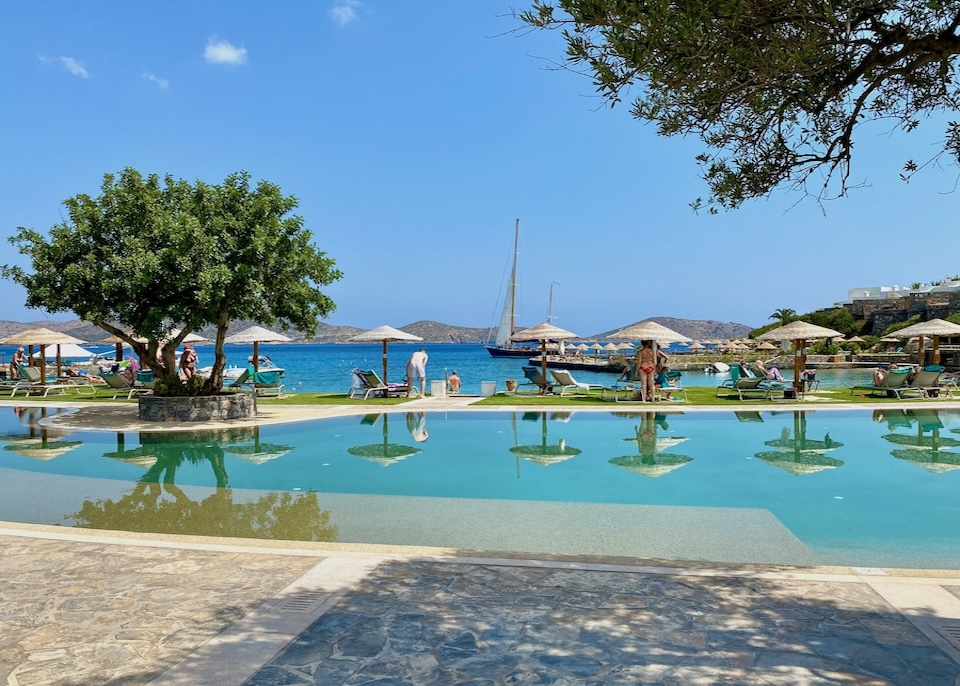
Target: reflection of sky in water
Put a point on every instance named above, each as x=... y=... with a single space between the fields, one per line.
x=837 y=480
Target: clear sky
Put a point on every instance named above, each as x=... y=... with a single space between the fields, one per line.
x=413 y=135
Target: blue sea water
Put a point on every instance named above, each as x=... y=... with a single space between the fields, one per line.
x=325 y=367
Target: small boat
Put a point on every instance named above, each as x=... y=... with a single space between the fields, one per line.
x=503 y=346
x=717 y=368
x=232 y=373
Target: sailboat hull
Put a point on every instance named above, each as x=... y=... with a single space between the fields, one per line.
x=497 y=351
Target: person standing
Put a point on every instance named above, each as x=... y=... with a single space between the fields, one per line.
x=18 y=360
x=188 y=362
x=453 y=382
x=417 y=369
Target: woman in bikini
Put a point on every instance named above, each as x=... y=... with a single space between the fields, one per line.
x=647 y=366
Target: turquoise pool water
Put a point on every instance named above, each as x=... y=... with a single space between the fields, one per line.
x=814 y=487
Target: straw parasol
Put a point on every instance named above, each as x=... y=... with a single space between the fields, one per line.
x=384 y=453
x=257 y=335
x=799 y=332
x=766 y=345
x=855 y=339
x=649 y=331
x=384 y=334
x=544 y=454
x=934 y=328
x=543 y=332
x=42 y=337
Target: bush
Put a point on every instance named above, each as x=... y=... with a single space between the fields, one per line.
x=175 y=387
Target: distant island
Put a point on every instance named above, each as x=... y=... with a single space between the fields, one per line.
x=430 y=332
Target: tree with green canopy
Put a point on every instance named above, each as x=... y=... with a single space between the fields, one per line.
x=784 y=314
x=157 y=259
x=775 y=89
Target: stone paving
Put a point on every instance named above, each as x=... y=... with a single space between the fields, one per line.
x=427 y=623
x=76 y=613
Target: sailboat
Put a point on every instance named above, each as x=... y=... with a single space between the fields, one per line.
x=503 y=346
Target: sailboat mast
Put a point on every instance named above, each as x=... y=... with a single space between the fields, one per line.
x=550 y=307
x=513 y=278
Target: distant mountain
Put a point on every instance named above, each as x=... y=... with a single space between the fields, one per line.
x=699 y=329
x=430 y=332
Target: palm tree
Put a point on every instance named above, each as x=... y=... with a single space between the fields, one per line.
x=917 y=285
x=784 y=314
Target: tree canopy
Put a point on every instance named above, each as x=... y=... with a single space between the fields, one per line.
x=775 y=89
x=149 y=256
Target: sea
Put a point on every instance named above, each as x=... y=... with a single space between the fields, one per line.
x=326 y=367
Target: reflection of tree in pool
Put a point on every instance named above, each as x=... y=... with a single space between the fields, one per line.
x=649 y=461
x=156 y=504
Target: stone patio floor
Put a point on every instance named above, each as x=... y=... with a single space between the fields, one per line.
x=83 y=607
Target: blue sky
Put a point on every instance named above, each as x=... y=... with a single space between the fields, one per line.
x=414 y=134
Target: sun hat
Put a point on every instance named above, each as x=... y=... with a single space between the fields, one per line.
x=20 y=349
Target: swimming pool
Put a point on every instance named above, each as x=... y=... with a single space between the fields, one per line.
x=804 y=487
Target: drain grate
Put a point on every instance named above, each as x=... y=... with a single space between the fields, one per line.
x=951 y=632
x=304 y=602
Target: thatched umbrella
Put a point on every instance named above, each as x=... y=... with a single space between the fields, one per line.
x=934 y=328
x=799 y=332
x=855 y=339
x=258 y=335
x=42 y=337
x=649 y=331
x=544 y=454
x=543 y=332
x=384 y=453
x=766 y=345
x=384 y=334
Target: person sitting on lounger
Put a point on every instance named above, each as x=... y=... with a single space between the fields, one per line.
x=772 y=374
x=83 y=374
x=879 y=374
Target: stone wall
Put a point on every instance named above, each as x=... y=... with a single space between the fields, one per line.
x=198 y=409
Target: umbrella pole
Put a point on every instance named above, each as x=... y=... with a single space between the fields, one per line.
x=920 y=350
x=936 y=350
x=385 y=365
x=256 y=356
x=43 y=363
x=543 y=361
x=59 y=361
x=799 y=364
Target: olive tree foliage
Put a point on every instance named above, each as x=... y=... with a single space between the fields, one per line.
x=151 y=256
x=775 y=89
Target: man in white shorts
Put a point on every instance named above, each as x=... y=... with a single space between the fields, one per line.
x=417 y=368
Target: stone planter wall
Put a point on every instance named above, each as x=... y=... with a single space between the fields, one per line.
x=198 y=409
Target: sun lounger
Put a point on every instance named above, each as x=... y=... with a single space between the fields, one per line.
x=369 y=383
x=121 y=387
x=565 y=381
x=266 y=384
x=926 y=383
x=535 y=382
x=746 y=385
x=892 y=384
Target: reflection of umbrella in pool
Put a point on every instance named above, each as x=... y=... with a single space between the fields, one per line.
x=799 y=332
x=257 y=335
x=39 y=448
x=544 y=454
x=800 y=455
x=649 y=461
x=384 y=453
x=543 y=332
x=925 y=451
x=384 y=334
x=142 y=456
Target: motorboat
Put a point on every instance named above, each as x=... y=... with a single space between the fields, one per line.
x=233 y=372
x=717 y=368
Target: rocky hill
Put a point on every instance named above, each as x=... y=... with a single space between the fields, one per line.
x=699 y=329
x=431 y=332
